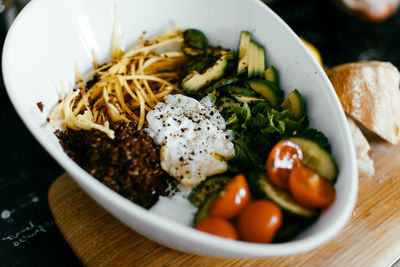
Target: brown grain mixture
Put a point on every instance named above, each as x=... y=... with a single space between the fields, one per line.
x=129 y=164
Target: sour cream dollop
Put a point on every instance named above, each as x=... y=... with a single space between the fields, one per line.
x=194 y=143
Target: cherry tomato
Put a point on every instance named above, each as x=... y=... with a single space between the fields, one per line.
x=259 y=221
x=283 y=157
x=231 y=199
x=310 y=189
x=217 y=226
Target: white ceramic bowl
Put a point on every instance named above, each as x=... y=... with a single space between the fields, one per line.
x=50 y=36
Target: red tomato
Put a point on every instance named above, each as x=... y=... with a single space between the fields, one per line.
x=217 y=226
x=259 y=221
x=310 y=189
x=231 y=199
x=283 y=157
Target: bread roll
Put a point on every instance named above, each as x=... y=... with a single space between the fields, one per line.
x=371 y=10
x=364 y=162
x=369 y=93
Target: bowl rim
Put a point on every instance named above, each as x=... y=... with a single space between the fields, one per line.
x=108 y=198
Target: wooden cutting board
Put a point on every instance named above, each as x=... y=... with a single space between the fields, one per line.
x=371 y=238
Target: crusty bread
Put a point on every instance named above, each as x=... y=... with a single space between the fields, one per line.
x=369 y=93
x=364 y=162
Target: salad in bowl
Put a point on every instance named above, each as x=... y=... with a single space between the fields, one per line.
x=199 y=134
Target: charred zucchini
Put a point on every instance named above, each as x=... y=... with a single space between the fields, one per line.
x=194 y=81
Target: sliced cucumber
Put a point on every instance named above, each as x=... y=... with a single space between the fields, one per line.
x=267 y=89
x=271 y=74
x=195 y=81
x=206 y=188
x=243 y=52
x=256 y=60
x=260 y=61
x=202 y=212
x=284 y=199
x=252 y=59
x=295 y=104
x=317 y=159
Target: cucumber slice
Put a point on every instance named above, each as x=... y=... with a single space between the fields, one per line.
x=267 y=89
x=260 y=61
x=206 y=188
x=271 y=74
x=317 y=159
x=202 y=212
x=243 y=61
x=256 y=60
x=252 y=59
x=283 y=199
x=295 y=104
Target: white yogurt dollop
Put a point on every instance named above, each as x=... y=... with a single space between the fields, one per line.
x=192 y=134
x=177 y=207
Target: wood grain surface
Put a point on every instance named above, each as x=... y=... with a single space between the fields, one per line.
x=371 y=238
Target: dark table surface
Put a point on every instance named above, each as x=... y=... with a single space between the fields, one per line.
x=28 y=234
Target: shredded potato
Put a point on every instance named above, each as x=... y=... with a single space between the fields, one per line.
x=125 y=89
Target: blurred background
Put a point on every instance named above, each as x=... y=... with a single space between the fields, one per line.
x=342 y=30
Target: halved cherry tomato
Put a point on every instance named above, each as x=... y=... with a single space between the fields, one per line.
x=310 y=189
x=217 y=226
x=283 y=157
x=231 y=199
x=259 y=221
